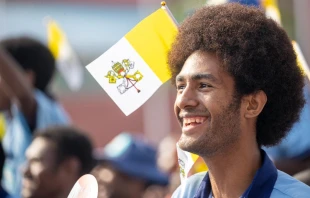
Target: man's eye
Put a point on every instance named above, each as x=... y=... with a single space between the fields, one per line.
x=180 y=87
x=204 y=85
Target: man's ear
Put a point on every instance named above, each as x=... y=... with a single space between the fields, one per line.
x=254 y=104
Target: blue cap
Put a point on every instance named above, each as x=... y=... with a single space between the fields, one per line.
x=134 y=157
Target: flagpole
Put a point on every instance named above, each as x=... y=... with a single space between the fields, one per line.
x=165 y=7
x=157 y=108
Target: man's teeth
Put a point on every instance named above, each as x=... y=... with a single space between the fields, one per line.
x=198 y=120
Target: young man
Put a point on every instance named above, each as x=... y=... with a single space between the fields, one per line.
x=56 y=159
x=238 y=88
x=26 y=68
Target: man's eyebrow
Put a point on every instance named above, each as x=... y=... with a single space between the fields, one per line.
x=205 y=76
x=179 y=78
x=210 y=77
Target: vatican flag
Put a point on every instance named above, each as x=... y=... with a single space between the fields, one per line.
x=136 y=66
x=186 y=162
x=67 y=61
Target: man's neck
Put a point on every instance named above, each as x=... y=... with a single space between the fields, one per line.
x=232 y=171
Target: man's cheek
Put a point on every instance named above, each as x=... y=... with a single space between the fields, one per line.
x=37 y=169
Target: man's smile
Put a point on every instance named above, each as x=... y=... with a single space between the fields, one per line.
x=191 y=122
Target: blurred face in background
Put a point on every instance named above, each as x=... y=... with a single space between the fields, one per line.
x=42 y=177
x=167 y=159
x=113 y=184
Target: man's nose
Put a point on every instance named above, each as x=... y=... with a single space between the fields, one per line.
x=188 y=98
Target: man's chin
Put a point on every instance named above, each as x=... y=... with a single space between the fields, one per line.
x=26 y=194
x=187 y=143
x=191 y=144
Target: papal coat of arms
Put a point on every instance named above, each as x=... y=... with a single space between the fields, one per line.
x=120 y=73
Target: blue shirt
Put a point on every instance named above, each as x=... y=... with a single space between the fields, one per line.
x=4 y=194
x=268 y=182
x=18 y=137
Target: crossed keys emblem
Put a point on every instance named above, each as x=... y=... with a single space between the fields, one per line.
x=121 y=72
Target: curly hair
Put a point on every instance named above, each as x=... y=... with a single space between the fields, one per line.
x=256 y=52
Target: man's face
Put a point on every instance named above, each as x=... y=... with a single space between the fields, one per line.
x=113 y=184
x=205 y=105
x=41 y=178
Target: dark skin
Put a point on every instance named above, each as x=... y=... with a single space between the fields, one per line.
x=43 y=176
x=16 y=85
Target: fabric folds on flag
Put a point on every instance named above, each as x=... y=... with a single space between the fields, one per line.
x=136 y=66
x=67 y=61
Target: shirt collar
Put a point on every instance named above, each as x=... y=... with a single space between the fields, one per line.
x=261 y=186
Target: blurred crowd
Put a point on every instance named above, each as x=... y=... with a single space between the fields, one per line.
x=43 y=154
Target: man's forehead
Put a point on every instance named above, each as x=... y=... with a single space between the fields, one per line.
x=39 y=147
x=201 y=62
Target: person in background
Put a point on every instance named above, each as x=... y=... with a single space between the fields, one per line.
x=3 y=193
x=127 y=168
x=292 y=155
x=238 y=88
x=167 y=161
x=57 y=157
x=26 y=69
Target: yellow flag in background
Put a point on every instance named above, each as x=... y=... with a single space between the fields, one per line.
x=272 y=10
x=136 y=66
x=2 y=126
x=66 y=60
x=301 y=61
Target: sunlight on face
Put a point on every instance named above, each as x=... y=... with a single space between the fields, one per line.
x=205 y=105
x=40 y=177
